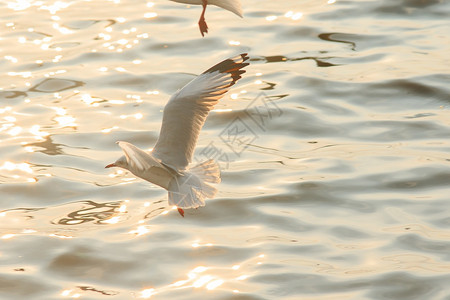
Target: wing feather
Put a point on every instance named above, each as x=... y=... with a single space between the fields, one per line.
x=186 y=111
x=139 y=159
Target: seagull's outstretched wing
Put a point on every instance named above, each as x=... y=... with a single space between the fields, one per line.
x=186 y=111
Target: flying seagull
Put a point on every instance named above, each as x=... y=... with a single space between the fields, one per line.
x=232 y=5
x=183 y=118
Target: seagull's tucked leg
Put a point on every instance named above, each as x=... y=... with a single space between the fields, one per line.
x=181 y=211
x=202 y=22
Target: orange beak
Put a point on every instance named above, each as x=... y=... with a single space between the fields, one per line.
x=110 y=165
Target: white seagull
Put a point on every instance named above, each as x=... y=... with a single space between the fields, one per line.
x=183 y=118
x=232 y=5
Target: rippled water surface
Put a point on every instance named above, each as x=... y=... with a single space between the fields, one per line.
x=337 y=189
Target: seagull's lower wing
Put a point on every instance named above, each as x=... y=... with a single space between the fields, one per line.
x=138 y=159
x=186 y=111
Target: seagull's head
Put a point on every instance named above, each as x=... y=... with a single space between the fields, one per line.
x=121 y=163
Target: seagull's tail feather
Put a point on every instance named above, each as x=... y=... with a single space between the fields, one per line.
x=232 y=5
x=208 y=171
x=191 y=189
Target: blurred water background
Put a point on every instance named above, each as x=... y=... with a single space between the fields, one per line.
x=338 y=188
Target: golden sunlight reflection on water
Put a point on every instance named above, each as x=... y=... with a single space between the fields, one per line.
x=210 y=278
x=341 y=195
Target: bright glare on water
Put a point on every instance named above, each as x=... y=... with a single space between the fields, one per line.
x=336 y=186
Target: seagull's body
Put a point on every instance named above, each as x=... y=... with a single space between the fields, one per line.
x=184 y=115
x=231 y=5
